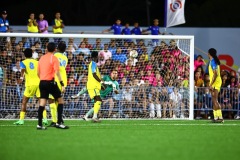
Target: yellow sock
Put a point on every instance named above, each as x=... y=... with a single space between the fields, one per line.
x=44 y=114
x=97 y=106
x=219 y=113
x=215 y=115
x=53 y=108
x=22 y=115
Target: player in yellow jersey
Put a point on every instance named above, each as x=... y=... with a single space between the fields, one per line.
x=94 y=85
x=29 y=70
x=63 y=60
x=215 y=84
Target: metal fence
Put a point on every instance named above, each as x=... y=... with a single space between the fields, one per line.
x=228 y=98
x=131 y=102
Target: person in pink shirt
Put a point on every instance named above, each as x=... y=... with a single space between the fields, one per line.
x=199 y=62
x=149 y=66
x=101 y=59
x=105 y=52
x=149 y=77
x=43 y=29
x=157 y=79
x=176 y=52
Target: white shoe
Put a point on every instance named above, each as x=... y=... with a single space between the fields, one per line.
x=74 y=96
x=85 y=118
x=238 y=117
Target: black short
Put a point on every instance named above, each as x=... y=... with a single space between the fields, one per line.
x=49 y=87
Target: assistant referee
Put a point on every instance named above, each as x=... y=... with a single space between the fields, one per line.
x=48 y=67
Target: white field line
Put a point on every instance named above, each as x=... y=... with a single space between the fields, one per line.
x=136 y=124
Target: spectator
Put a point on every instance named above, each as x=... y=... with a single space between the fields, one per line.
x=127 y=100
x=101 y=60
x=98 y=44
x=154 y=31
x=164 y=99
x=26 y=44
x=175 y=104
x=107 y=54
x=71 y=42
x=58 y=26
x=233 y=82
x=199 y=62
x=149 y=77
x=157 y=79
x=32 y=27
x=17 y=67
x=4 y=24
x=82 y=49
x=126 y=31
x=136 y=30
x=119 y=56
x=13 y=41
x=87 y=44
x=117 y=28
x=225 y=102
x=72 y=79
x=43 y=29
x=154 y=103
x=198 y=80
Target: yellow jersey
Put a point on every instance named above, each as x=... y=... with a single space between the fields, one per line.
x=63 y=60
x=32 y=28
x=57 y=23
x=31 y=77
x=213 y=66
x=92 y=83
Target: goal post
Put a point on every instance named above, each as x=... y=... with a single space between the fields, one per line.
x=161 y=60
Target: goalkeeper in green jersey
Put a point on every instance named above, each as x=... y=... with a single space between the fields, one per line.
x=112 y=85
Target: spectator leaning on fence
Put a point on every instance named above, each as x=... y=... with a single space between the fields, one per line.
x=43 y=29
x=32 y=26
x=58 y=26
x=4 y=22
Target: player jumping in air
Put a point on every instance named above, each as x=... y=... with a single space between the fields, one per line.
x=112 y=85
x=215 y=84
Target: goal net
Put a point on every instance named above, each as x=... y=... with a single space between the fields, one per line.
x=155 y=74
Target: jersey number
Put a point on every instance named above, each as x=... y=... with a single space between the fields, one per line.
x=62 y=62
x=31 y=65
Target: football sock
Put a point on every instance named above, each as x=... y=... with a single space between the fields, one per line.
x=44 y=114
x=40 y=115
x=22 y=115
x=53 y=108
x=215 y=114
x=84 y=90
x=90 y=112
x=219 y=113
x=97 y=106
x=60 y=111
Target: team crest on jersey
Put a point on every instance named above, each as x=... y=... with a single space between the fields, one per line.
x=177 y=4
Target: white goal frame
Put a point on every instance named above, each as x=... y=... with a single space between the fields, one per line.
x=107 y=36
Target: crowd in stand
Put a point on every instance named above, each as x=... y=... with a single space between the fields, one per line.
x=150 y=74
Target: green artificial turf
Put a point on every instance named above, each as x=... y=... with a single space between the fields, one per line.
x=122 y=140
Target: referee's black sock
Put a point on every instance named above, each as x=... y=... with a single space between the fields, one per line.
x=40 y=115
x=60 y=111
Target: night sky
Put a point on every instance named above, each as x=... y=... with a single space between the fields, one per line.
x=198 y=13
